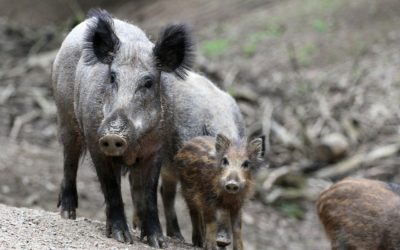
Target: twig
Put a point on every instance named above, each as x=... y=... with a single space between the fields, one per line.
x=275 y=175
x=20 y=121
x=268 y=109
x=6 y=93
x=47 y=107
x=285 y=137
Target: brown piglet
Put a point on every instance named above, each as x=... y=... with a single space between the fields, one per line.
x=361 y=214
x=216 y=175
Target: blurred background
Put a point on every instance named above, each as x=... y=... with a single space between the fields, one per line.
x=322 y=75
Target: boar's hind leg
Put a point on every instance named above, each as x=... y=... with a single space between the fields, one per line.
x=168 y=191
x=68 y=197
x=197 y=224
x=144 y=182
x=110 y=180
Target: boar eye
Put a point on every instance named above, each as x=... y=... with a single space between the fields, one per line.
x=112 y=77
x=225 y=161
x=246 y=164
x=148 y=82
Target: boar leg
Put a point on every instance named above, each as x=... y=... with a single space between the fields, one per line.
x=197 y=228
x=68 y=197
x=168 y=191
x=210 y=222
x=144 y=193
x=224 y=224
x=136 y=194
x=109 y=175
x=236 y=221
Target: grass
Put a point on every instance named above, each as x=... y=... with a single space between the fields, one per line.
x=215 y=47
x=291 y=209
x=320 y=25
x=304 y=55
x=272 y=31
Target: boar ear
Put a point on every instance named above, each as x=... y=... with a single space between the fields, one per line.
x=174 y=50
x=222 y=143
x=256 y=148
x=101 y=42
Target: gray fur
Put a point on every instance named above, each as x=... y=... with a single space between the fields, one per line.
x=155 y=121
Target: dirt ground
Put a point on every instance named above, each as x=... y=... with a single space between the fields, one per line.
x=325 y=66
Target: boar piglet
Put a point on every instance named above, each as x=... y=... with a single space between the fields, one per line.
x=216 y=175
x=361 y=214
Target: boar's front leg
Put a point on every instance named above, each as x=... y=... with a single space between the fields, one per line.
x=109 y=175
x=210 y=221
x=68 y=197
x=144 y=182
x=236 y=221
x=224 y=222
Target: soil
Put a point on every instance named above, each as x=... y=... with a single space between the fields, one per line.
x=325 y=66
x=39 y=229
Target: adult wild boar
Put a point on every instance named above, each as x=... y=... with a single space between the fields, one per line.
x=131 y=104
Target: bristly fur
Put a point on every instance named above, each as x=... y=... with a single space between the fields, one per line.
x=174 y=50
x=100 y=41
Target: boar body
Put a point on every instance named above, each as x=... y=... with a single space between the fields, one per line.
x=361 y=214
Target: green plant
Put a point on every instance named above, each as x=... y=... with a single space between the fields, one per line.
x=320 y=25
x=250 y=49
x=305 y=54
x=215 y=47
x=291 y=209
x=274 y=30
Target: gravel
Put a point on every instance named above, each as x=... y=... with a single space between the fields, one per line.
x=23 y=228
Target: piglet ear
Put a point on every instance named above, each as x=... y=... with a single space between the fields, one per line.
x=222 y=143
x=101 y=42
x=174 y=50
x=256 y=148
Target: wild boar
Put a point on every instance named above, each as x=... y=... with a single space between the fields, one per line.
x=131 y=104
x=216 y=174
x=361 y=214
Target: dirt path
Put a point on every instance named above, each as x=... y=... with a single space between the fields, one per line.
x=23 y=228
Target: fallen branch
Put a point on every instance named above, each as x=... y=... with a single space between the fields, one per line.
x=284 y=136
x=358 y=160
x=268 y=109
x=20 y=121
x=47 y=107
x=6 y=93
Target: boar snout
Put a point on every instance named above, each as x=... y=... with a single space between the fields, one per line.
x=232 y=187
x=113 y=145
x=232 y=183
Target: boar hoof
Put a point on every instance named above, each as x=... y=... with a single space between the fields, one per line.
x=136 y=222
x=68 y=214
x=177 y=236
x=157 y=241
x=223 y=240
x=210 y=246
x=119 y=232
x=68 y=202
x=197 y=240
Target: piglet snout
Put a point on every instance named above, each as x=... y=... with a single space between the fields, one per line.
x=232 y=187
